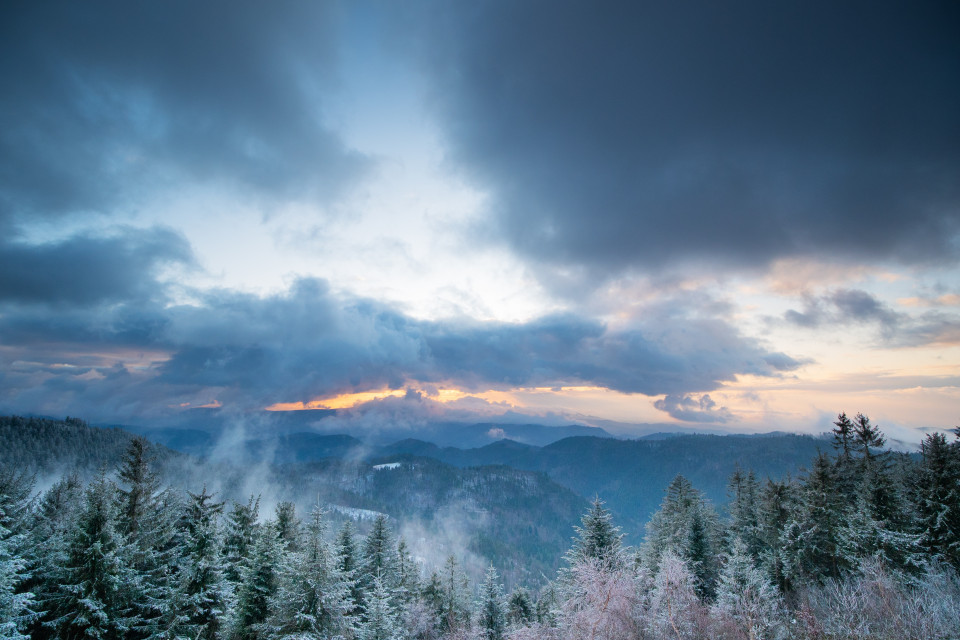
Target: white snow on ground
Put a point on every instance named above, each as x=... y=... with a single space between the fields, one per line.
x=357 y=514
x=389 y=465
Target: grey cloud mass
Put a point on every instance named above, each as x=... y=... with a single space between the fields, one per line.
x=105 y=101
x=248 y=352
x=620 y=135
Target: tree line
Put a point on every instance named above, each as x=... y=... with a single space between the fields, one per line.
x=865 y=545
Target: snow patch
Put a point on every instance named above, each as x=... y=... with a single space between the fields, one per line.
x=357 y=514
x=388 y=465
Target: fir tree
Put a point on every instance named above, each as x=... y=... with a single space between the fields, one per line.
x=138 y=489
x=939 y=499
x=241 y=532
x=379 y=555
x=17 y=608
x=598 y=538
x=744 y=510
x=313 y=599
x=408 y=573
x=94 y=597
x=381 y=618
x=843 y=444
x=258 y=586
x=745 y=595
x=778 y=501
x=454 y=597
x=492 y=616
x=288 y=526
x=348 y=562
x=520 y=608
x=201 y=598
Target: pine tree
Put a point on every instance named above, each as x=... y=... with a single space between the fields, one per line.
x=520 y=608
x=288 y=526
x=408 y=573
x=381 y=618
x=348 y=562
x=241 y=532
x=939 y=499
x=778 y=502
x=313 y=598
x=744 y=510
x=745 y=595
x=598 y=538
x=17 y=608
x=379 y=556
x=94 y=598
x=454 y=597
x=843 y=444
x=492 y=616
x=258 y=585
x=201 y=598
x=814 y=545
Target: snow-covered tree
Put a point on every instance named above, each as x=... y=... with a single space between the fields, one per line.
x=520 y=607
x=17 y=609
x=241 y=532
x=491 y=609
x=379 y=557
x=939 y=499
x=675 y=610
x=94 y=594
x=380 y=621
x=258 y=585
x=746 y=597
x=597 y=537
x=201 y=598
x=313 y=598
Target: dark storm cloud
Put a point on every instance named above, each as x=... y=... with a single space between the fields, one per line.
x=88 y=270
x=847 y=307
x=105 y=100
x=636 y=135
x=249 y=352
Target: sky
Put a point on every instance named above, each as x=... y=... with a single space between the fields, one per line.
x=739 y=216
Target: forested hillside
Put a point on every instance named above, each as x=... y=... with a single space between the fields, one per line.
x=864 y=545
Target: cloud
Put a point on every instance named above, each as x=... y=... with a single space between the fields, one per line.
x=249 y=352
x=690 y=409
x=645 y=136
x=87 y=270
x=107 y=101
x=845 y=307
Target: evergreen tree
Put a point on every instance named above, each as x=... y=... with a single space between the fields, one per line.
x=598 y=538
x=313 y=599
x=94 y=597
x=241 y=532
x=744 y=510
x=778 y=502
x=17 y=608
x=745 y=595
x=379 y=555
x=258 y=585
x=381 y=618
x=288 y=526
x=843 y=444
x=348 y=562
x=939 y=499
x=201 y=598
x=408 y=573
x=138 y=489
x=492 y=616
x=814 y=545
x=520 y=608
x=454 y=598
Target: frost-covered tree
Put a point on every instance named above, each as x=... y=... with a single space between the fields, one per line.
x=520 y=607
x=380 y=621
x=201 y=597
x=597 y=537
x=744 y=490
x=379 y=557
x=240 y=536
x=675 y=610
x=939 y=499
x=746 y=597
x=408 y=573
x=778 y=502
x=94 y=594
x=313 y=598
x=601 y=604
x=349 y=562
x=454 y=610
x=288 y=526
x=17 y=608
x=491 y=609
x=813 y=541
x=258 y=585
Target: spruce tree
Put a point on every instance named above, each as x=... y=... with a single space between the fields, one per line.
x=492 y=617
x=939 y=499
x=313 y=599
x=520 y=608
x=241 y=532
x=408 y=573
x=94 y=598
x=348 y=562
x=597 y=537
x=201 y=599
x=455 y=597
x=288 y=526
x=746 y=596
x=379 y=555
x=17 y=607
x=380 y=621
x=258 y=585
x=744 y=510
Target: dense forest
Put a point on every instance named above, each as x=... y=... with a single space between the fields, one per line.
x=865 y=544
